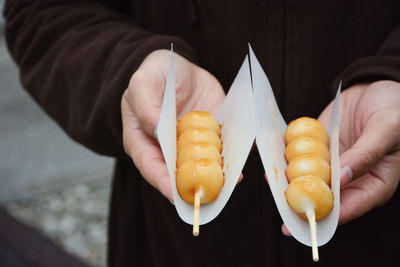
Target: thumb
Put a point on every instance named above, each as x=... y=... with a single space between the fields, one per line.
x=373 y=143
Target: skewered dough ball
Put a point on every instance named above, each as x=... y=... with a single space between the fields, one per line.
x=306 y=126
x=204 y=176
x=198 y=151
x=195 y=135
x=309 y=165
x=199 y=160
x=310 y=192
x=198 y=119
x=308 y=173
x=307 y=146
x=308 y=170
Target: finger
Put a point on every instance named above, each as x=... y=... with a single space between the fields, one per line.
x=148 y=158
x=145 y=153
x=354 y=200
x=240 y=178
x=361 y=196
x=372 y=189
x=145 y=97
x=375 y=141
x=285 y=231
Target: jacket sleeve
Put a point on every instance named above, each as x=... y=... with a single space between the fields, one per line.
x=384 y=65
x=76 y=58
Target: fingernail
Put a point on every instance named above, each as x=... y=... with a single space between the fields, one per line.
x=346 y=175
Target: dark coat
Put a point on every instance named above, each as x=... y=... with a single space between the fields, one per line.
x=77 y=56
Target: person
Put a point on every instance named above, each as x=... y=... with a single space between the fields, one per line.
x=98 y=68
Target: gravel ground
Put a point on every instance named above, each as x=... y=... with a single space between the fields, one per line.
x=60 y=188
x=74 y=217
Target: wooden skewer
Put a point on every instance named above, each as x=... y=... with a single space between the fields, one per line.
x=313 y=229
x=196 y=214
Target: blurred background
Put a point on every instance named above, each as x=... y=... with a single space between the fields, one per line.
x=54 y=187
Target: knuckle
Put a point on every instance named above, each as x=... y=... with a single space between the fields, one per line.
x=137 y=77
x=138 y=82
x=385 y=188
x=367 y=159
x=146 y=120
x=142 y=80
x=392 y=123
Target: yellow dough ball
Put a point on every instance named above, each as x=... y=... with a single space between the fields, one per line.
x=204 y=176
x=310 y=192
x=309 y=165
x=198 y=119
x=196 y=135
x=307 y=146
x=306 y=126
x=199 y=151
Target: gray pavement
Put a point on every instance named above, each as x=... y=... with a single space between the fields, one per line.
x=1 y=10
x=35 y=154
x=47 y=180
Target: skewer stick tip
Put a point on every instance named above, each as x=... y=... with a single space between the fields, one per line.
x=196 y=229
x=313 y=230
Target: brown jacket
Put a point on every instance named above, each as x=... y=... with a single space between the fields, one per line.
x=77 y=56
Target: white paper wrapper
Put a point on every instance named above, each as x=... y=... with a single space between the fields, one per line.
x=271 y=145
x=238 y=120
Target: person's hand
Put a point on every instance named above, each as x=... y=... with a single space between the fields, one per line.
x=369 y=146
x=196 y=89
